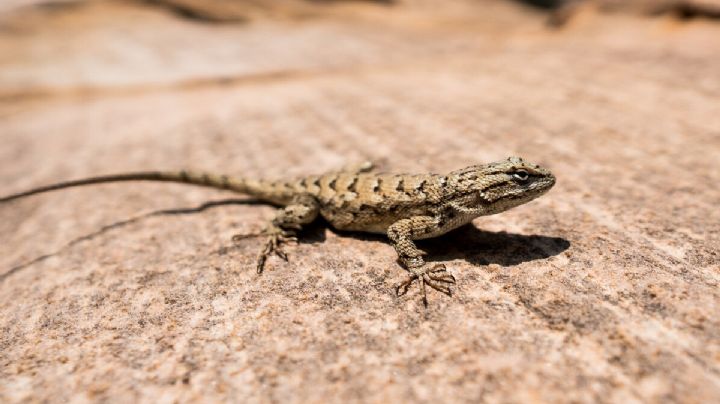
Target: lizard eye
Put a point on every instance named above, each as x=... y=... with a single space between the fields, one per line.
x=520 y=175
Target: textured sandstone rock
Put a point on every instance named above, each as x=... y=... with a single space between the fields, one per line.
x=604 y=290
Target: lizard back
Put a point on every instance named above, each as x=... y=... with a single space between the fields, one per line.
x=372 y=202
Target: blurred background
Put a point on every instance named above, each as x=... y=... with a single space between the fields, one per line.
x=75 y=46
x=604 y=290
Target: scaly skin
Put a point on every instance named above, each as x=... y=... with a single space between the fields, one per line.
x=404 y=207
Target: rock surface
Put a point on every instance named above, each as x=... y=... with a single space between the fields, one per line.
x=604 y=290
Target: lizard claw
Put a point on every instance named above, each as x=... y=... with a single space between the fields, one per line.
x=239 y=237
x=288 y=235
x=274 y=246
x=280 y=253
x=276 y=237
x=437 y=277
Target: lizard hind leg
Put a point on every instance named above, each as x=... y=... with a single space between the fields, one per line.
x=302 y=210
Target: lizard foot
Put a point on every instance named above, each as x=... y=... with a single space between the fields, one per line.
x=276 y=238
x=437 y=277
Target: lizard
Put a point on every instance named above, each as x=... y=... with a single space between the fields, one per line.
x=404 y=207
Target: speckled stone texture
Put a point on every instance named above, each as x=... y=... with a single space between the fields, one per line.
x=604 y=290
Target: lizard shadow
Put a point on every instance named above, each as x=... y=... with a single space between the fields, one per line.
x=121 y=223
x=480 y=247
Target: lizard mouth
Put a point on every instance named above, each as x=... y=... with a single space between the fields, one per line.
x=519 y=194
x=542 y=185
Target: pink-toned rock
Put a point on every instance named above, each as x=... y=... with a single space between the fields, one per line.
x=603 y=290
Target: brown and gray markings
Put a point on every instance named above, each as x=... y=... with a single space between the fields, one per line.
x=405 y=207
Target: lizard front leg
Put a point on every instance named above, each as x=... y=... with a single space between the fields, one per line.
x=401 y=234
x=303 y=209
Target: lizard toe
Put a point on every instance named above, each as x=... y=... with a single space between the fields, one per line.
x=402 y=288
x=435 y=277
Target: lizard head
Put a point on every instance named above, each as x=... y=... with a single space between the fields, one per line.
x=504 y=184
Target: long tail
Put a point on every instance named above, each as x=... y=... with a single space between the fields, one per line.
x=272 y=192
